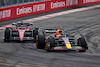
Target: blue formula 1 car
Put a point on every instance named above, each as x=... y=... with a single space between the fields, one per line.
x=60 y=40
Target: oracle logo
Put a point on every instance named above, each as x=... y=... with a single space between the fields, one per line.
x=24 y=10
x=71 y=2
x=57 y=4
x=88 y=1
x=5 y=13
x=38 y=7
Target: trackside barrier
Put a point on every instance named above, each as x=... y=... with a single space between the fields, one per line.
x=40 y=7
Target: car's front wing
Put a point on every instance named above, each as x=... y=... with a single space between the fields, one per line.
x=65 y=48
x=25 y=38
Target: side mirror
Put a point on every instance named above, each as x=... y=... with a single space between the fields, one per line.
x=14 y=24
x=21 y=23
x=31 y=23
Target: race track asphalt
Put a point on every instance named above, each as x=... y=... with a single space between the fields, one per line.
x=25 y=54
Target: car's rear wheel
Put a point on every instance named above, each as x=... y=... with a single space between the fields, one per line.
x=7 y=35
x=35 y=32
x=40 y=41
x=51 y=44
x=82 y=42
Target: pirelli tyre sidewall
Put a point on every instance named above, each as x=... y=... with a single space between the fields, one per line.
x=7 y=35
x=50 y=44
x=82 y=42
x=40 y=41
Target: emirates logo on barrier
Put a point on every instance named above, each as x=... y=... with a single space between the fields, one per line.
x=34 y=8
x=57 y=4
x=5 y=14
x=38 y=7
x=89 y=1
x=71 y=2
x=24 y=10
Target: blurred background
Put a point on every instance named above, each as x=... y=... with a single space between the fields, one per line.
x=4 y=3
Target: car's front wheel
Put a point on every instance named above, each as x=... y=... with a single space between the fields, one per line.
x=40 y=41
x=82 y=42
x=7 y=35
x=51 y=43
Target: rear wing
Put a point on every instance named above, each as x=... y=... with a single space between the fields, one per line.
x=49 y=31
x=19 y=23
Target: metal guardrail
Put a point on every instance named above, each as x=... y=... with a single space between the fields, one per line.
x=5 y=3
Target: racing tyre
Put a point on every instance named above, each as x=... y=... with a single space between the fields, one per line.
x=51 y=43
x=82 y=42
x=35 y=32
x=40 y=41
x=7 y=35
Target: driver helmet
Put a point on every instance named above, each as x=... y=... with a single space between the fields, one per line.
x=59 y=31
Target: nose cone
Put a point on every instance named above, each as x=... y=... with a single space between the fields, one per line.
x=21 y=38
x=68 y=46
x=21 y=34
x=67 y=43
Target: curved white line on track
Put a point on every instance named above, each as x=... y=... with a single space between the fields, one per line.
x=54 y=15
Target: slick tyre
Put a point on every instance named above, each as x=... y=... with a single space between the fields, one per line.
x=7 y=35
x=52 y=44
x=35 y=32
x=40 y=42
x=82 y=42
